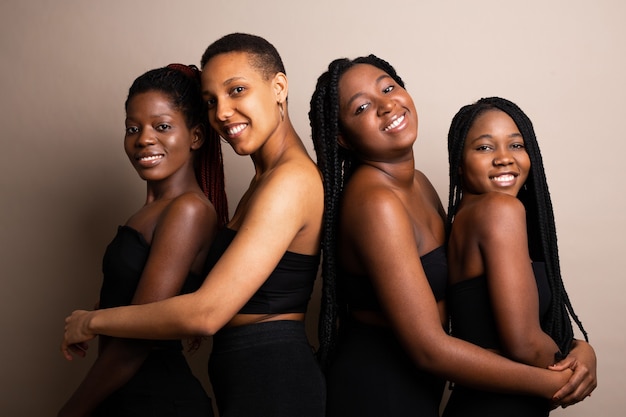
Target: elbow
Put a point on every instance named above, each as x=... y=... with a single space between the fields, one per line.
x=206 y=324
x=527 y=352
x=428 y=355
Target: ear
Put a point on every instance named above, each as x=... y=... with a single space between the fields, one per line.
x=197 y=140
x=342 y=142
x=281 y=87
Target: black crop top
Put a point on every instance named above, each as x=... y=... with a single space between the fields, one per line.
x=287 y=289
x=471 y=313
x=122 y=265
x=359 y=293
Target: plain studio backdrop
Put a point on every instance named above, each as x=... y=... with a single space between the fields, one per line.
x=65 y=182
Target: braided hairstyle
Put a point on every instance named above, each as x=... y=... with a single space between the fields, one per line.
x=263 y=55
x=336 y=165
x=181 y=83
x=542 y=241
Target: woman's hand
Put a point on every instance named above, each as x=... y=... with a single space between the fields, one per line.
x=76 y=334
x=582 y=361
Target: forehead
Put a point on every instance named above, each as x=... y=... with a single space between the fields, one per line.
x=360 y=76
x=493 y=120
x=154 y=101
x=227 y=67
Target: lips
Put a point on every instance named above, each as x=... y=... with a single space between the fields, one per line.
x=395 y=123
x=147 y=161
x=235 y=130
x=504 y=179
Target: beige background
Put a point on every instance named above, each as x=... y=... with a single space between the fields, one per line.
x=65 y=182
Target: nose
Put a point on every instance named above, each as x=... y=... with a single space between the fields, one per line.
x=385 y=105
x=223 y=110
x=502 y=157
x=146 y=138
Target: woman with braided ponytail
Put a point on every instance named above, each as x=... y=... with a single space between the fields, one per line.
x=506 y=291
x=160 y=251
x=263 y=264
x=385 y=269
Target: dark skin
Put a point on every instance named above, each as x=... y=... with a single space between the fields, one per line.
x=391 y=216
x=281 y=211
x=177 y=221
x=489 y=237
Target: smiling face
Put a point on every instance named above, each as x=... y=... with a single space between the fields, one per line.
x=158 y=141
x=377 y=116
x=494 y=156
x=242 y=101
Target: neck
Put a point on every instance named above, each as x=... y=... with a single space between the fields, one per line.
x=172 y=187
x=279 y=146
x=400 y=171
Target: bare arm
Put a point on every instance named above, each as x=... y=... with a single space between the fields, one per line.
x=184 y=229
x=382 y=237
x=503 y=246
x=277 y=212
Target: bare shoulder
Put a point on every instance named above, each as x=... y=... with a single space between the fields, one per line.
x=368 y=197
x=191 y=204
x=496 y=203
x=297 y=179
x=493 y=213
x=190 y=210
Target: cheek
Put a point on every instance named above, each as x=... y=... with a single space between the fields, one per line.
x=128 y=147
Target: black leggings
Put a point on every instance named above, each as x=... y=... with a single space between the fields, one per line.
x=266 y=369
x=372 y=376
x=467 y=402
x=164 y=386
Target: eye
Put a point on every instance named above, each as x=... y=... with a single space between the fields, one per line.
x=361 y=108
x=483 y=148
x=131 y=130
x=211 y=103
x=163 y=127
x=237 y=90
x=518 y=146
x=389 y=89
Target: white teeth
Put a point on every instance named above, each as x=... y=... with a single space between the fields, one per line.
x=395 y=123
x=151 y=158
x=504 y=178
x=236 y=129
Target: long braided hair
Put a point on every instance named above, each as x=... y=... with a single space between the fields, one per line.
x=181 y=83
x=542 y=241
x=336 y=165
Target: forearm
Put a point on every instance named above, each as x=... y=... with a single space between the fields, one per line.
x=175 y=318
x=117 y=363
x=538 y=350
x=470 y=365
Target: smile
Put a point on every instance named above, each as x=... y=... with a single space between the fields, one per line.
x=234 y=130
x=150 y=158
x=395 y=123
x=505 y=179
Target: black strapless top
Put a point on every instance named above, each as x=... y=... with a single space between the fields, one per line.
x=359 y=293
x=471 y=313
x=122 y=265
x=287 y=289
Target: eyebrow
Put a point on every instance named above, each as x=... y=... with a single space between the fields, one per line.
x=488 y=136
x=359 y=94
x=225 y=83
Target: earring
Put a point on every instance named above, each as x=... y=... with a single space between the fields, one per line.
x=282 y=111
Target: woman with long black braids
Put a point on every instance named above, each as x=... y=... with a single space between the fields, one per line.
x=506 y=292
x=385 y=268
